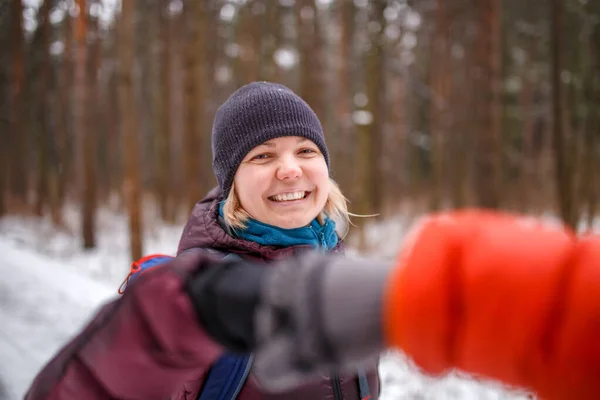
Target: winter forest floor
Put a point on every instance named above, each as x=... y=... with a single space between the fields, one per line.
x=49 y=287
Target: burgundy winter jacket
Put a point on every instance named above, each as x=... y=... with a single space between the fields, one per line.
x=149 y=344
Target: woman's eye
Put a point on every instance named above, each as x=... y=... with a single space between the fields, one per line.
x=307 y=151
x=263 y=156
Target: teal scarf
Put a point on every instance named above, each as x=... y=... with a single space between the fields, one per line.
x=318 y=236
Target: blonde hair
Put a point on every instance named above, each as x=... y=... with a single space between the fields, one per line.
x=336 y=208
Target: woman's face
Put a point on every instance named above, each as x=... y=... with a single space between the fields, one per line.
x=283 y=182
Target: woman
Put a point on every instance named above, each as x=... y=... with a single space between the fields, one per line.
x=501 y=296
x=275 y=199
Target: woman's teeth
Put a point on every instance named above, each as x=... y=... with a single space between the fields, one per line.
x=289 y=196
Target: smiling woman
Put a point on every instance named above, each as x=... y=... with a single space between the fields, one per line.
x=275 y=198
x=275 y=203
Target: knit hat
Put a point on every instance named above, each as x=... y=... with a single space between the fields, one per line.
x=253 y=114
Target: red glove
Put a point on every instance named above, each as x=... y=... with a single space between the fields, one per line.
x=506 y=297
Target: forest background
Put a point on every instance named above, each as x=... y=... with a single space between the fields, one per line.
x=426 y=104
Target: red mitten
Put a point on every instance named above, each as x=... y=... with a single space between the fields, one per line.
x=506 y=297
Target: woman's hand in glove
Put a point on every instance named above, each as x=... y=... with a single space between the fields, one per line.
x=501 y=296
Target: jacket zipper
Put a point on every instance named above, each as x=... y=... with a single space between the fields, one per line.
x=337 y=387
x=240 y=385
x=320 y=237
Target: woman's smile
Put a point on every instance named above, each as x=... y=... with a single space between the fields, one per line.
x=290 y=197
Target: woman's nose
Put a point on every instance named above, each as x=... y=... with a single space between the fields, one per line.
x=289 y=168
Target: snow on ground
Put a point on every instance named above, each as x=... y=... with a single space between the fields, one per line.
x=49 y=288
x=41 y=305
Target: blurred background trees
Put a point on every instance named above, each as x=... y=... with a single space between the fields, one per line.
x=433 y=103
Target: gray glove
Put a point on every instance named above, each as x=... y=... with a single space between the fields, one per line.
x=316 y=313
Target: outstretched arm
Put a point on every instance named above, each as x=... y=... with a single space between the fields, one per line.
x=505 y=297
x=501 y=296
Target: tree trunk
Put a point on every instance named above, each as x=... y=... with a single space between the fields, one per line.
x=103 y=67
x=270 y=41
x=311 y=56
x=194 y=102
x=342 y=146
x=94 y=121
x=18 y=178
x=44 y=134
x=130 y=128
x=89 y=134
x=488 y=169
x=398 y=143
x=62 y=109
x=162 y=111
x=57 y=141
x=114 y=168
x=593 y=127
x=81 y=131
x=439 y=104
x=564 y=188
x=4 y=109
x=461 y=144
x=528 y=153
x=376 y=95
x=247 y=63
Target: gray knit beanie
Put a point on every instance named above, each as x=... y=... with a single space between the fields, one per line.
x=253 y=114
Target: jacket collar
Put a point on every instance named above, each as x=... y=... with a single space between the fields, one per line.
x=204 y=230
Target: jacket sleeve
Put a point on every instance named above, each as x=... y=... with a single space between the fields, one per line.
x=505 y=297
x=142 y=345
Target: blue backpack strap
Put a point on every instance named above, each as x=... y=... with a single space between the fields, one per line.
x=363 y=384
x=226 y=377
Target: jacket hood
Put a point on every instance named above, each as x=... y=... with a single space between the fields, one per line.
x=204 y=230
